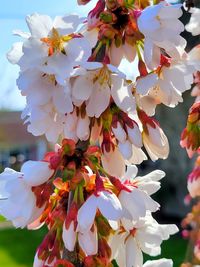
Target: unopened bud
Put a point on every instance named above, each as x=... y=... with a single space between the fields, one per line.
x=106 y=31
x=112 y=4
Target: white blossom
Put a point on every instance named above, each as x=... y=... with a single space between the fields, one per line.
x=107 y=203
x=96 y=84
x=144 y=236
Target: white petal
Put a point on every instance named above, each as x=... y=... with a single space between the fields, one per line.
x=109 y=205
x=134 y=203
x=69 y=236
x=125 y=149
x=144 y=84
x=36 y=172
x=138 y=156
x=99 y=100
x=134 y=255
x=122 y=95
x=39 y=25
x=159 y=263
x=131 y=172
x=66 y=24
x=88 y=241
x=83 y=130
x=62 y=99
x=15 y=53
x=82 y=87
x=109 y=163
x=37 y=262
x=130 y=52
x=119 y=133
x=135 y=136
x=86 y=214
x=116 y=54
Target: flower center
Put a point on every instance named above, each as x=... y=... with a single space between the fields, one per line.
x=102 y=76
x=55 y=41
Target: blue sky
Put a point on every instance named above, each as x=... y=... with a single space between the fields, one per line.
x=12 y=17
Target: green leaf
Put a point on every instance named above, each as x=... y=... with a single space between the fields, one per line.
x=114 y=263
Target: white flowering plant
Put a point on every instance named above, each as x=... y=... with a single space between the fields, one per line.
x=101 y=121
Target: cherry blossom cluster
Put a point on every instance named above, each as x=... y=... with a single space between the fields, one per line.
x=75 y=75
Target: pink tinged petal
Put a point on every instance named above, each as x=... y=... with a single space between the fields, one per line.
x=82 y=87
x=20 y=206
x=128 y=223
x=144 y=84
x=21 y=34
x=138 y=156
x=156 y=144
x=78 y=50
x=150 y=182
x=125 y=149
x=156 y=175
x=37 y=128
x=116 y=243
x=86 y=214
x=155 y=135
x=59 y=65
x=131 y=172
x=99 y=100
x=70 y=125
x=39 y=25
x=95 y=131
x=134 y=255
x=91 y=35
x=175 y=25
x=54 y=131
x=69 y=236
x=109 y=163
x=129 y=51
x=134 y=203
x=114 y=224
x=36 y=172
x=34 y=221
x=37 y=262
x=194 y=54
x=116 y=70
x=62 y=99
x=88 y=241
x=35 y=225
x=67 y=24
x=171 y=11
x=109 y=205
x=193 y=187
x=83 y=130
x=135 y=136
x=148 y=15
x=193 y=25
x=148 y=103
x=150 y=187
x=165 y=230
x=116 y=54
x=152 y=54
x=119 y=133
x=35 y=54
x=150 y=204
x=159 y=263
x=122 y=95
x=15 y=53
x=149 y=242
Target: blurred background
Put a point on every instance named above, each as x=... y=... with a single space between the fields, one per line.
x=17 y=247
